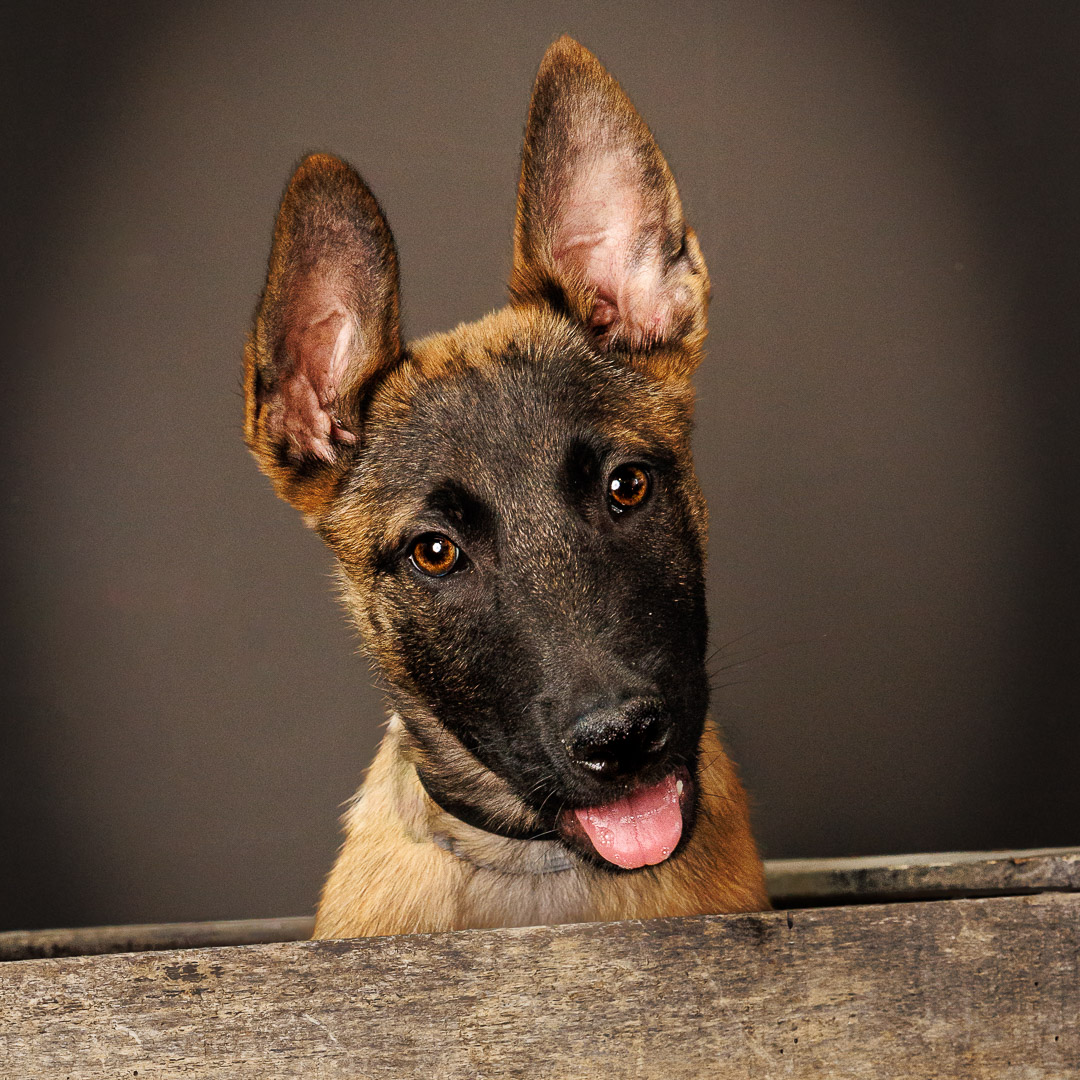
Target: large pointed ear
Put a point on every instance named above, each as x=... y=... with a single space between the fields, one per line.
x=600 y=227
x=326 y=328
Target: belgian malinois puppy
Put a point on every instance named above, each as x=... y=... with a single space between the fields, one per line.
x=520 y=537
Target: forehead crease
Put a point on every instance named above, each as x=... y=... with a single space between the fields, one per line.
x=540 y=401
x=458 y=503
x=503 y=429
x=483 y=421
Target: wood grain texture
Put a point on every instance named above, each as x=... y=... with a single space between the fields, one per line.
x=964 y=988
x=791 y=882
x=99 y=940
x=948 y=874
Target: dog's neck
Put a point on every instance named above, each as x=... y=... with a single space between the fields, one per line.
x=426 y=822
x=548 y=859
x=408 y=866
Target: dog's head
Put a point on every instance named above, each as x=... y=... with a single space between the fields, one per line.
x=513 y=504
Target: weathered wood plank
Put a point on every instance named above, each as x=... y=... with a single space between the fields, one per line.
x=792 y=883
x=964 y=988
x=99 y=940
x=947 y=874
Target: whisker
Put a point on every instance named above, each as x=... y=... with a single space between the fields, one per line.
x=731 y=642
x=544 y=803
x=714 y=687
x=741 y=663
x=715 y=795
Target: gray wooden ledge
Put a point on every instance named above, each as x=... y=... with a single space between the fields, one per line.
x=99 y=940
x=963 y=988
x=943 y=875
x=792 y=883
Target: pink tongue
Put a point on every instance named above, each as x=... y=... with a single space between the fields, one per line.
x=640 y=830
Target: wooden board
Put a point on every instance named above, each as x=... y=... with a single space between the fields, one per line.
x=959 y=988
x=941 y=875
x=792 y=883
x=99 y=940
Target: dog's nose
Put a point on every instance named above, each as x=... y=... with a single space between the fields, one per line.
x=610 y=743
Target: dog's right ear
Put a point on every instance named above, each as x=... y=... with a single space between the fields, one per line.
x=600 y=228
x=326 y=328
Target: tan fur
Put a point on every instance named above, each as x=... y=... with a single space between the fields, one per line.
x=393 y=877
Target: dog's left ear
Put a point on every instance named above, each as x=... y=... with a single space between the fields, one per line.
x=326 y=330
x=600 y=227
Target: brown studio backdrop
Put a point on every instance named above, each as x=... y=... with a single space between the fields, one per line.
x=887 y=198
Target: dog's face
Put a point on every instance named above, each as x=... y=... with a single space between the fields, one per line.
x=521 y=543
x=513 y=504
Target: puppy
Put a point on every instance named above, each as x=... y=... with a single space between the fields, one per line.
x=520 y=537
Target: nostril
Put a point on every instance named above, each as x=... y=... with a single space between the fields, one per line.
x=595 y=752
x=657 y=736
x=602 y=766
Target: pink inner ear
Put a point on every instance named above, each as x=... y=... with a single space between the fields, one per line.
x=317 y=348
x=603 y=234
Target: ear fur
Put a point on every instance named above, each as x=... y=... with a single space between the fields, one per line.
x=600 y=226
x=326 y=327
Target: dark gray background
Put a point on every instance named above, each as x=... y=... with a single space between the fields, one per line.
x=887 y=198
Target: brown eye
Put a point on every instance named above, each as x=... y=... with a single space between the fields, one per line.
x=627 y=487
x=434 y=555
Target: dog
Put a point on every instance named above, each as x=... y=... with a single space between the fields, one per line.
x=520 y=539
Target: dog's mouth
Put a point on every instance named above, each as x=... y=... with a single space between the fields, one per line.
x=643 y=828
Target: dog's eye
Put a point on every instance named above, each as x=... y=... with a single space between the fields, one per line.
x=434 y=555
x=628 y=486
